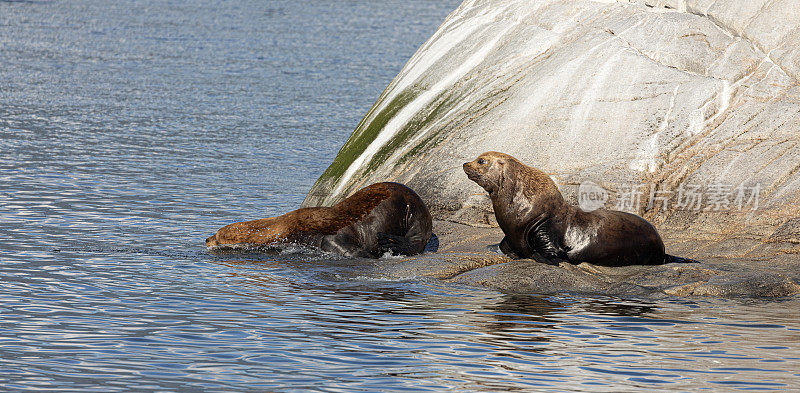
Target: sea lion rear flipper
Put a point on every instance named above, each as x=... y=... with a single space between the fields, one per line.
x=673 y=259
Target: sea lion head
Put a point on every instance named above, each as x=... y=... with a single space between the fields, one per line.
x=211 y=242
x=503 y=176
x=488 y=170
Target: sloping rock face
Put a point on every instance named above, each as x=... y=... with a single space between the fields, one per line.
x=686 y=112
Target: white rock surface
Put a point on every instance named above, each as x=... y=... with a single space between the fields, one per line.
x=649 y=94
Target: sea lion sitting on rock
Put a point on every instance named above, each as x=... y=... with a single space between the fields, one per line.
x=539 y=224
x=379 y=218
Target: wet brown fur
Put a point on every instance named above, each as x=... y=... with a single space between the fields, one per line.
x=349 y=227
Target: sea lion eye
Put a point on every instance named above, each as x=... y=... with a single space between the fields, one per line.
x=481 y=161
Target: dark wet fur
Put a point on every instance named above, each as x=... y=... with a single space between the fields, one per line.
x=539 y=224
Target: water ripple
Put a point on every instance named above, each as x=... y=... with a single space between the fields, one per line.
x=131 y=131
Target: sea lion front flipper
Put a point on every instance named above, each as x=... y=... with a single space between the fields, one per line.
x=343 y=244
x=505 y=248
x=404 y=245
x=433 y=244
x=543 y=244
x=397 y=245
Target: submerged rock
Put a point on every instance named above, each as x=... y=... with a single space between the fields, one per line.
x=686 y=112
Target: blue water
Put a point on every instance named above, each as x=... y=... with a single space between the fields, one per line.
x=131 y=131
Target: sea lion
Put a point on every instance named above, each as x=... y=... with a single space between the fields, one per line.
x=378 y=218
x=539 y=224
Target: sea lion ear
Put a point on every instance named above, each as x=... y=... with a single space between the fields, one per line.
x=502 y=174
x=503 y=169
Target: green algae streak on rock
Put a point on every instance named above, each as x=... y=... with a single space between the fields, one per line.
x=660 y=97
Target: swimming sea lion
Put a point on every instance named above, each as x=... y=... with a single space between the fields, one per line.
x=539 y=224
x=379 y=218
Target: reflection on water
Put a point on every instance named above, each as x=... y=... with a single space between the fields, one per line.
x=130 y=132
x=82 y=319
x=468 y=338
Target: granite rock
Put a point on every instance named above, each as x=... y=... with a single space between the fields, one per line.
x=661 y=100
x=686 y=112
